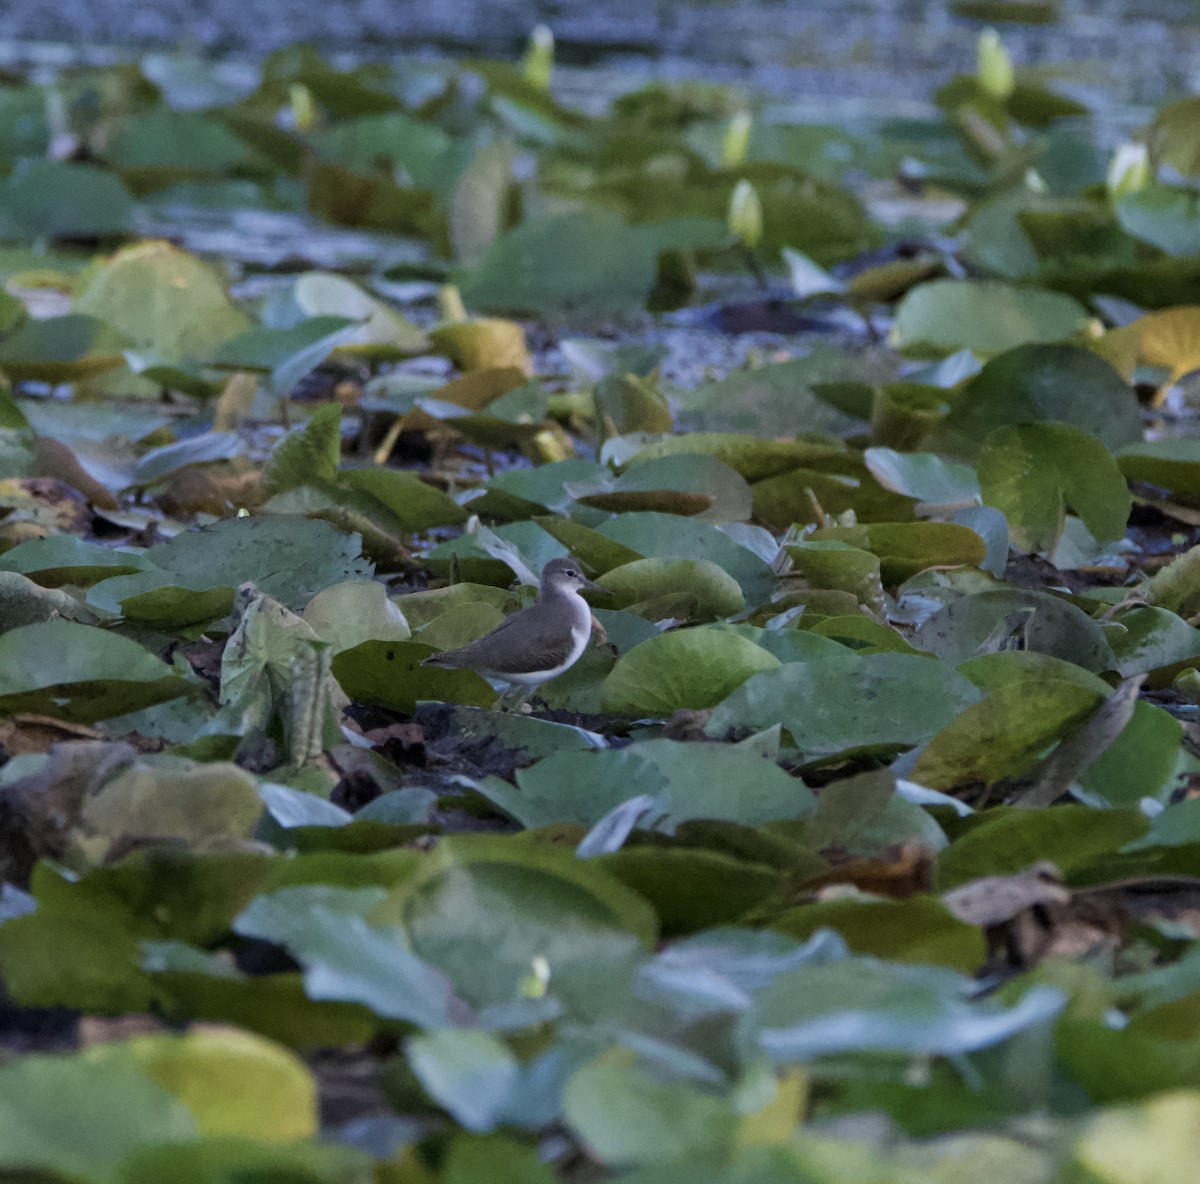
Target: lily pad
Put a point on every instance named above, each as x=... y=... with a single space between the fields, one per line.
x=162 y=299
x=1055 y=627
x=986 y=316
x=1040 y=382
x=78 y=672
x=390 y=674
x=693 y=588
x=1033 y=472
x=692 y=668
x=879 y=702
x=588 y=260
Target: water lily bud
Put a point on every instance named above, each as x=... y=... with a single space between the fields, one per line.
x=538 y=63
x=994 y=70
x=304 y=110
x=1128 y=171
x=736 y=139
x=745 y=214
x=450 y=304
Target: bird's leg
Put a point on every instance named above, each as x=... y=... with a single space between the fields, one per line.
x=524 y=694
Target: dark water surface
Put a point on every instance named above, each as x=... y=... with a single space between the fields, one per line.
x=881 y=55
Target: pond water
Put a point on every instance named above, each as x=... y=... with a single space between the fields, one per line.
x=824 y=61
x=881 y=55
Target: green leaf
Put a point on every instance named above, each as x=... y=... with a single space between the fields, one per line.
x=625 y=1117
x=418 y=505
x=694 y=588
x=1004 y=735
x=81 y=673
x=906 y=549
x=196 y=450
x=751 y=456
x=986 y=316
x=692 y=668
x=467 y=1072
x=233 y=1083
x=16 y=438
x=880 y=702
x=288 y=558
x=51 y=198
x=81 y=1116
x=686 y=781
x=919 y=929
x=390 y=674
x=860 y=1004
x=1165 y=216
x=923 y=475
x=288 y=354
x=61 y=349
x=162 y=299
x=588 y=260
x=344 y=957
x=484 y=908
x=308 y=453
x=1053 y=626
x=1033 y=472
x=699 y=487
x=165 y=798
x=323 y=294
x=665 y=536
x=345 y=615
x=1006 y=840
x=64 y=559
x=1039 y=382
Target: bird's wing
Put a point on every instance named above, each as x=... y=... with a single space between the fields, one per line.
x=541 y=648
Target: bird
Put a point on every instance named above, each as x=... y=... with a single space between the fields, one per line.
x=537 y=643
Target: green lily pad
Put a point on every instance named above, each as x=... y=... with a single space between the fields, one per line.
x=693 y=486
x=1004 y=735
x=416 y=504
x=986 y=316
x=82 y=1118
x=61 y=349
x=588 y=260
x=625 y=1117
x=81 y=673
x=1055 y=627
x=344 y=615
x=923 y=475
x=1040 y=382
x=420 y=608
x=751 y=456
x=162 y=299
x=51 y=198
x=684 y=781
x=1171 y=464
x=322 y=294
x=694 y=588
x=1033 y=472
x=289 y=558
x=482 y=908
x=1165 y=216
x=919 y=929
x=692 y=668
x=390 y=674
x=665 y=536
x=882 y=702
x=64 y=559
x=1007 y=840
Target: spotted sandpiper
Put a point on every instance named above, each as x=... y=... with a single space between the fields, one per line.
x=538 y=643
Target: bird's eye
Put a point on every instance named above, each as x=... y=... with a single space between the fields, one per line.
x=572 y=572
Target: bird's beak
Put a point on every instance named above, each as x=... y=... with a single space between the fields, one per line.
x=592 y=586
